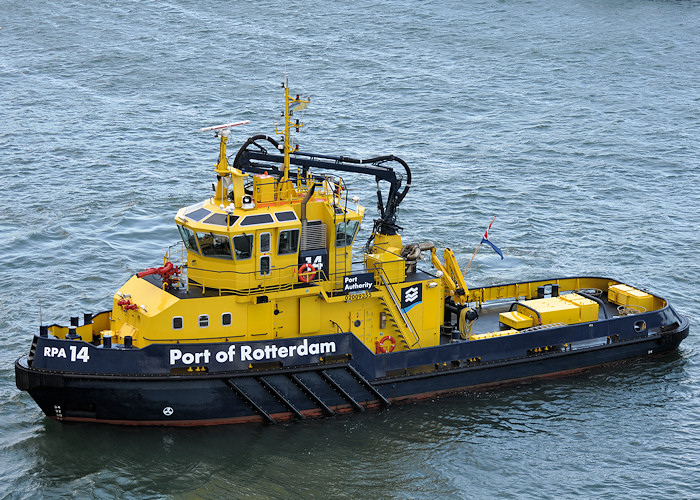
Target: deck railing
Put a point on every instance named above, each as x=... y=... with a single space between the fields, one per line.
x=278 y=279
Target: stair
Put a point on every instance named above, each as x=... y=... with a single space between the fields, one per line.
x=394 y=311
x=392 y=322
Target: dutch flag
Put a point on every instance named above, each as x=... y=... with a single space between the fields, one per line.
x=485 y=239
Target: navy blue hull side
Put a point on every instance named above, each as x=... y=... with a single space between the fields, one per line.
x=309 y=391
x=536 y=366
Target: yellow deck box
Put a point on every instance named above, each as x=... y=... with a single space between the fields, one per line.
x=569 y=309
x=491 y=335
x=625 y=295
x=588 y=309
x=516 y=320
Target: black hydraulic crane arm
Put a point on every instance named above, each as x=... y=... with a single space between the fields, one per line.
x=259 y=160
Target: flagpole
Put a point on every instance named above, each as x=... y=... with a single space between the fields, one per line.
x=477 y=248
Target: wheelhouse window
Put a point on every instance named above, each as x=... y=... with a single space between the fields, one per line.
x=214 y=245
x=265 y=265
x=203 y=320
x=265 y=242
x=345 y=233
x=188 y=238
x=288 y=242
x=243 y=246
x=226 y=319
x=178 y=323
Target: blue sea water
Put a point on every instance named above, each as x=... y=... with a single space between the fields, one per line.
x=576 y=123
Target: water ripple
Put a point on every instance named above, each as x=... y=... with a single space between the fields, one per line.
x=575 y=123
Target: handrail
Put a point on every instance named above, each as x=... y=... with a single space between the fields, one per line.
x=516 y=303
x=594 y=299
x=177 y=248
x=385 y=250
x=177 y=254
x=252 y=283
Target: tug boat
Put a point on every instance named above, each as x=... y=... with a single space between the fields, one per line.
x=262 y=314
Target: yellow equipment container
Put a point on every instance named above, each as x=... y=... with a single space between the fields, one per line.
x=625 y=295
x=516 y=320
x=393 y=266
x=264 y=188
x=569 y=309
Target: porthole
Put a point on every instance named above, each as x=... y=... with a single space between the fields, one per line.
x=178 y=323
x=640 y=326
x=203 y=320
x=226 y=319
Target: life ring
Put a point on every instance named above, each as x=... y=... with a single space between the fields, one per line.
x=307 y=273
x=380 y=344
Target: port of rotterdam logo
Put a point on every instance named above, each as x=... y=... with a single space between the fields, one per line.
x=410 y=296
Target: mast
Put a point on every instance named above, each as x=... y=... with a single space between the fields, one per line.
x=221 y=167
x=290 y=106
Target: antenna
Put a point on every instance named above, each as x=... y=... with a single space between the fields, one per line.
x=291 y=104
x=224 y=126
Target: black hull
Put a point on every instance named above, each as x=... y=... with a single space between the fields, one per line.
x=337 y=384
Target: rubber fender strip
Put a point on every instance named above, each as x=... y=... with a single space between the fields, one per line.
x=342 y=391
x=369 y=386
x=319 y=402
x=250 y=401
x=279 y=396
